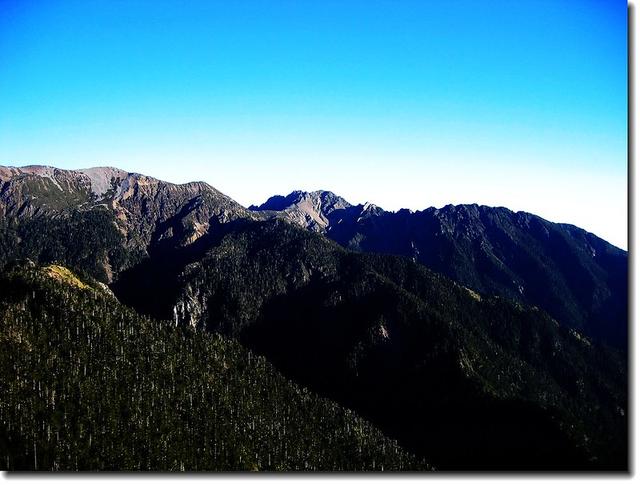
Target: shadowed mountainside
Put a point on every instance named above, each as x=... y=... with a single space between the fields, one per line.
x=578 y=278
x=454 y=376
x=88 y=384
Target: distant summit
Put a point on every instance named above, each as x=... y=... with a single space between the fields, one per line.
x=312 y=210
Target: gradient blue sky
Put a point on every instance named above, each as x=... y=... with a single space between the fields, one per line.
x=401 y=103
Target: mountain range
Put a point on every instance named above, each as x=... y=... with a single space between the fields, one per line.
x=476 y=338
x=578 y=278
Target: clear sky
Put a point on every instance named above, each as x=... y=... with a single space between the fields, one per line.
x=401 y=103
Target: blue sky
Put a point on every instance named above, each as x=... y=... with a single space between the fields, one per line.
x=401 y=103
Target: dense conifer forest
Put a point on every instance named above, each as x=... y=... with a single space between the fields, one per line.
x=87 y=241
x=88 y=384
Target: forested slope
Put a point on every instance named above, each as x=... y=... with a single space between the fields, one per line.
x=87 y=384
x=469 y=381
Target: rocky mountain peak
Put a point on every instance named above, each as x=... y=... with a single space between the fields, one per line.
x=322 y=199
x=103 y=179
x=312 y=210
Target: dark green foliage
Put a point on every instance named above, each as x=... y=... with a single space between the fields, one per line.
x=87 y=384
x=467 y=381
x=88 y=242
x=576 y=277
